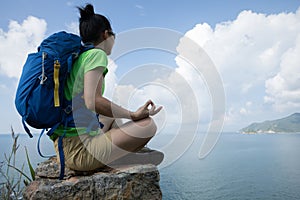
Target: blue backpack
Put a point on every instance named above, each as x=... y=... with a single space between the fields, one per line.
x=40 y=94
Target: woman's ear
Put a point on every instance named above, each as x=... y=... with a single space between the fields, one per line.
x=105 y=34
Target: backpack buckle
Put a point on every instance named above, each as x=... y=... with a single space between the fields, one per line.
x=42 y=78
x=68 y=109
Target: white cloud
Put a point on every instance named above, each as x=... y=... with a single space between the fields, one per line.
x=243 y=111
x=172 y=92
x=283 y=90
x=251 y=43
x=110 y=79
x=198 y=87
x=139 y=6
x=168 y=87
x=141 y=9
x=73 y=27
x=247 y=51
x=3 y=87
x=257 y=56
x=17 y=42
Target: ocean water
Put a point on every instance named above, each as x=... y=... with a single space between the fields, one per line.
x=240 y=167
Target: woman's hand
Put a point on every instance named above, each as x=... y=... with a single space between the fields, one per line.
x=144 y=111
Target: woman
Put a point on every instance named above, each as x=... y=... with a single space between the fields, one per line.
x=88 y=150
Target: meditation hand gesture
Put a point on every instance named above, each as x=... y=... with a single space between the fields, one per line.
x=144 y=111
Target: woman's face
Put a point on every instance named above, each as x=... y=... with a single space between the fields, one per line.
x=107 y=43
x=110 y=41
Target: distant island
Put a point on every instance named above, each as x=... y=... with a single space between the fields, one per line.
x=290 y=124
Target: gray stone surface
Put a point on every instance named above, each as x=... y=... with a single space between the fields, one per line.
x=126 y=182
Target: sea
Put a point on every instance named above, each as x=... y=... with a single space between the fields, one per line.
x=239 y=167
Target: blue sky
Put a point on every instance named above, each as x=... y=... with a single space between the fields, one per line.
x=178 y=15
x=252 y=87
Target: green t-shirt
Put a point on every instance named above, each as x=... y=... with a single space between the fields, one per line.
x=87 y=61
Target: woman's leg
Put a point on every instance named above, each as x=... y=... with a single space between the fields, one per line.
x=109 y=123
x=116 y=147
x=131 y=137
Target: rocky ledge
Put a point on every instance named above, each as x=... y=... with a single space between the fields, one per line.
x=126 y=182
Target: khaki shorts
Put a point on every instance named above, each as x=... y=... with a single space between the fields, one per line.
x=85 y=152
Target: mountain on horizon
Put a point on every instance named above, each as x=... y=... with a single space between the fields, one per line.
x=289 y=124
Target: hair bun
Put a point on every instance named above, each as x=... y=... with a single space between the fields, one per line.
x=87 y=12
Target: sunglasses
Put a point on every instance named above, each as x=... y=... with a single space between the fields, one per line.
x=112 y=34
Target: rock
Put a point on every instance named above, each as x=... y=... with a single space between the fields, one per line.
x=51 y=169
x=127 y=182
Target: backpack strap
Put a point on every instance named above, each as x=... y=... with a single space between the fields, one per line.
x=67 y=117
x=26 y=128
x=61 y=156
x=60 y=148
x=92 y=124
x=38 y=145
x=61 y=151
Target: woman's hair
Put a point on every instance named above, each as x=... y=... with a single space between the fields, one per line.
x=91 y=25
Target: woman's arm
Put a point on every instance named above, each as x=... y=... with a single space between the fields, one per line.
x=95 y=101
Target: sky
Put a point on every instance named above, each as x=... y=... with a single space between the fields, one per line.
x=252 y=46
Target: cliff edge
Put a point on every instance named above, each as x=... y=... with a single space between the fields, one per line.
x=127 y=182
